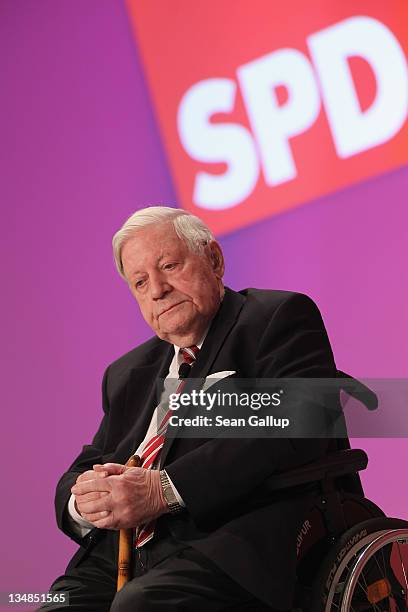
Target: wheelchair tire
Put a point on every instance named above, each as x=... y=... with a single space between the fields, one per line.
x=327 y=593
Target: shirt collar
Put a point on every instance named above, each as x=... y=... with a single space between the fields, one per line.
x=179 y=358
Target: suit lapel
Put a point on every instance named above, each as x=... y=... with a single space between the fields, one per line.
x=143 y=393
x=221 y=326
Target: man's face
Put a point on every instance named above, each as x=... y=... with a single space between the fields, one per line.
x=178 y=291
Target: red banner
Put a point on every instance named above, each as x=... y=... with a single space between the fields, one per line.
x=266 y=105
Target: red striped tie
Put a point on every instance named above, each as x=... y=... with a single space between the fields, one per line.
x=151 y=450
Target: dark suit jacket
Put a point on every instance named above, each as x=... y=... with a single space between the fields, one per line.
x=229 y=517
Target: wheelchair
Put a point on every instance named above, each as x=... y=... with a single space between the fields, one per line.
x=350 y=556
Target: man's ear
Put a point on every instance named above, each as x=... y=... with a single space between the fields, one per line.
x=217 y=258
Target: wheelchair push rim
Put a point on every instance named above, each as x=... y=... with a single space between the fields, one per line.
x=353 y=559
x=376 y=593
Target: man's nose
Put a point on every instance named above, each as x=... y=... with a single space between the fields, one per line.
x=159 y=286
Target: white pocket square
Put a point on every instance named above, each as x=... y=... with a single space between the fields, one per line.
x=213 y=378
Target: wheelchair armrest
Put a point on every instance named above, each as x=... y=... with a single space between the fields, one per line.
x=332 y=465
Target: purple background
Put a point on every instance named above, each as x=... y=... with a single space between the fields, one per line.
x=80 y=152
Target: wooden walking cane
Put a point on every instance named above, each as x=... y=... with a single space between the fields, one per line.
x=126 y=540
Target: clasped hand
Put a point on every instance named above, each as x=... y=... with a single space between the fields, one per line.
x=112 y=496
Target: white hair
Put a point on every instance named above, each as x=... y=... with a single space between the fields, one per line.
x=188 y=227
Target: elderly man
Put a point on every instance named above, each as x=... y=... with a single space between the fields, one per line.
x=208 y=536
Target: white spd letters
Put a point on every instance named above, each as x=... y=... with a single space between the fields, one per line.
x=326 y=80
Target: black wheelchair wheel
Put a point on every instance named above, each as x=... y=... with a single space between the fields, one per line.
x=365 y=570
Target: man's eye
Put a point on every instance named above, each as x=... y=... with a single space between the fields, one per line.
x=169 y=266
x=139 y=284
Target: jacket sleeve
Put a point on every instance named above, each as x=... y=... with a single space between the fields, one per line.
x=222 y=473
x=91 y=454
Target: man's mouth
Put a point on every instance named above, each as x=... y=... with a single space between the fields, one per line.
x=171 y=307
